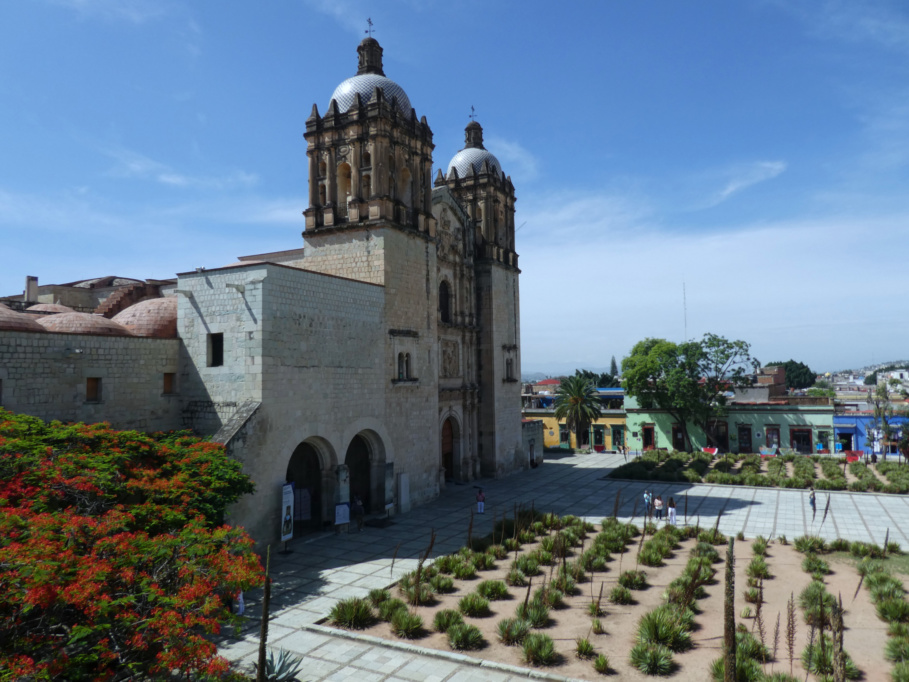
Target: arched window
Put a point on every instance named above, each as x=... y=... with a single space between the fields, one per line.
x=402 y=368
x=367 y=159
x=323 y=168
x=444 y=302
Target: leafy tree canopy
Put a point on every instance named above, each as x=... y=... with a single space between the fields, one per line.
x=113 y=562
x=604 y=380
x=798 y=374
x=688 y=380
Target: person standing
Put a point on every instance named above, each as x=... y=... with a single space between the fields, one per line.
x=658 y=507
x=671 y=511
x=481 y=502
x=812 y=501
x=646 y=503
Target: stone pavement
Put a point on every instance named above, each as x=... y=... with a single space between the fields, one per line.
x=323 y=569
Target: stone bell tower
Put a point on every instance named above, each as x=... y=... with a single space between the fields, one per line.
x=369 y=157
x=475 y=178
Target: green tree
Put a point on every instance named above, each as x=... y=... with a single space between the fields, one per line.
x=798 y=374
x=577 y=402
x=602 y=380
x=688 y=380
x=613 y=367
x=882 y=412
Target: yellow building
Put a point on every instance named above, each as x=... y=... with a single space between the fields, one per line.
x=606 y=433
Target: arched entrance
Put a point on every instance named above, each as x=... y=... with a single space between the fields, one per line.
x=451 y=438
x=305 y=471
x=357 y=461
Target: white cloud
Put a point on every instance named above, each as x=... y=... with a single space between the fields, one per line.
x=803 y=288
x=744 y=176
x=131 y=11
x=516 y=160
x=132 y=164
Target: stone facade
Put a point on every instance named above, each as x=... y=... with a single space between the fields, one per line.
x=379 y=361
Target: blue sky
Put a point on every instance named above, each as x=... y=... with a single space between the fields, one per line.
x=755 y=151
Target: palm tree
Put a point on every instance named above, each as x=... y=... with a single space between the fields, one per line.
x=577 y=402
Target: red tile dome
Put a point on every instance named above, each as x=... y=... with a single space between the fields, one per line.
x=82 y=323
x=50 y=308
x=155 y=317
x=18 y=322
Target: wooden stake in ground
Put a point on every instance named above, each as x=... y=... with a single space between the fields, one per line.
x=729 y=615
x=263 y=631
x=470 y=530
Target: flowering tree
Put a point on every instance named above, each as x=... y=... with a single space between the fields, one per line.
x=113 y=559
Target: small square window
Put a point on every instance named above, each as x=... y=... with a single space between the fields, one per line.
x=93 y=390
x=170 y=383
x=215 y=350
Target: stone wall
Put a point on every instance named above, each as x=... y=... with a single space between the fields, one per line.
x=46 y=374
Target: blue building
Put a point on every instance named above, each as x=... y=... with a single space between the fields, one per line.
x=851 y=432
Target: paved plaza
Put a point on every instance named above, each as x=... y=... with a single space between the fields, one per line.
x=323 y=569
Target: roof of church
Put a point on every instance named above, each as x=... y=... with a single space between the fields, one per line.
x=82 y=323
x=156 y=317
x=471 y=158
x=50 y=308
x=12 y=321
x=369 y=77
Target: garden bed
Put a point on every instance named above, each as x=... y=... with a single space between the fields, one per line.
x=785 y=471
x=680 y=604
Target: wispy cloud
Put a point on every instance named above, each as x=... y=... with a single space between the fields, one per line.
x=517 y=161
x=131 y=164
x=131 y=11
x=742 y=177
x=883 y=22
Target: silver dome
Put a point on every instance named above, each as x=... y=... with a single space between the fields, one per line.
x=366 y=85
x=466 y=160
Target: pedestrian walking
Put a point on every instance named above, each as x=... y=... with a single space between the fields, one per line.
x=671 y=511
x=646 y=503
x=812 y=501
x=481 y=502
x=658 y=507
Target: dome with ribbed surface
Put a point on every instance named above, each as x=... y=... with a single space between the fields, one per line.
x=365 y=86
x=474 y=154
x=155 y=317
x=11 y=321
x=82 y=323
x=50 y=308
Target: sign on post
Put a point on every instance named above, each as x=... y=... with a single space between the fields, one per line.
x=287 y=515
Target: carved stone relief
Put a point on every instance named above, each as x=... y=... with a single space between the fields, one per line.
x=451 y=363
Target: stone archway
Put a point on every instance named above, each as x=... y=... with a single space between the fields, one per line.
x=451 y=448
x=304 y=470
x=365 y=461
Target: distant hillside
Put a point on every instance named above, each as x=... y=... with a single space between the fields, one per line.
x=533 y=377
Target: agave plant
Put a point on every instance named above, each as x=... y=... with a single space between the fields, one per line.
x=284 y=668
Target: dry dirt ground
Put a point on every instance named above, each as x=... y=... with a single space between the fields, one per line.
x=865 y=637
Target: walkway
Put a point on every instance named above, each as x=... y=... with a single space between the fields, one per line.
x=324 y=569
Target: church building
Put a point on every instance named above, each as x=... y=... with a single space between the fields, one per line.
x=379 y=359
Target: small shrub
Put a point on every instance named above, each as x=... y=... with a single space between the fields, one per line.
x=483 y=562
x=660 y=627
x=445 y=619
x=583 y=648
x=713 y=536
x=594 y=609
x=813 y=600
x=621 y=595
x=528 y=565
x=417 y=595
x=707 y=551
x=446 y=563
x=377 y=596
x=839 y=545
x=758 y=569
x=442 y=584
x=464 y=570
x=812 y=563
x=535 y=613
x=601 y=664
x=516 y=578
x=740 y=536
x=465 y=637
x=651 y=556
x=539 y=649
x=550 y=596
x=474 y=605
x=633 y=580
x=752 y=595
x=746 y=670
x=493 y=590
x=652 y=659
x=893 y=610
x=389 y=607
x=406 y=625
x=818 y=659
x=746 y=612
x=597 y=626
x=513 y=631
x=354 y=614
x=809 y=544
x=497 y=551
x=782 y=540
x=897 y=649
x=759 y=546
x=512 y=545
